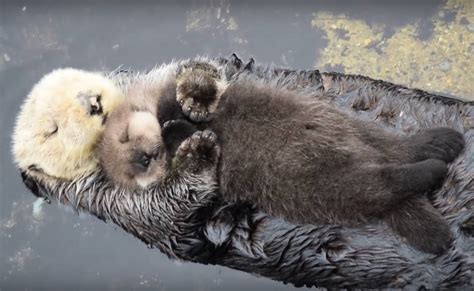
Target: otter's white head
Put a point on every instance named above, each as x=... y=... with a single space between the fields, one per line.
x=61 y=122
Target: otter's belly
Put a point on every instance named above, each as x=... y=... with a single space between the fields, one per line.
x=270 y=166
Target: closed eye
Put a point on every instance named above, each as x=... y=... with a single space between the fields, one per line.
x=52 y=132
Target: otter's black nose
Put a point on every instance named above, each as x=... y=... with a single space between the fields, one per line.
x=91 y=102
x=95 y=105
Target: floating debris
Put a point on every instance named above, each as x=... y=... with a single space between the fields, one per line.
x=6 y=57
x=232 y=24
x=38 y=212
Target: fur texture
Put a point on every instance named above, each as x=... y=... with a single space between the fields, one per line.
x=62 y=119
x=295 y=157
x=197 y=228
x=132 y=151
x=137 y=151
x=306 y=162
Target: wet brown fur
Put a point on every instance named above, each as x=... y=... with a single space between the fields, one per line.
x=305 y=161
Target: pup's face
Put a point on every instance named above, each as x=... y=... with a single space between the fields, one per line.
x=132 y=151
x=61 y=122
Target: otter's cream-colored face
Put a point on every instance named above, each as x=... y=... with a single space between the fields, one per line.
x=61 y=121
x=132 y=152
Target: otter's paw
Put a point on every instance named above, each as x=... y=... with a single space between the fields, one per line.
x=439 y=143
x=198 y=151
x=198 y=91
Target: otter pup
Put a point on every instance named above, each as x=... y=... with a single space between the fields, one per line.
x=61 y=121
x=133 y=152
x=305 y=161
x=142 y=135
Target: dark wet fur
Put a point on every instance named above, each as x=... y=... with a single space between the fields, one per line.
x=307 y=162
x=168 y=108
x=175 y=132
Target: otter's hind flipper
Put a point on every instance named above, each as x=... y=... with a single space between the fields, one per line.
x=416 y=178
x=421 y=225
x=438 y=143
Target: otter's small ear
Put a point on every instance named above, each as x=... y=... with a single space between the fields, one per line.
x=124 y=138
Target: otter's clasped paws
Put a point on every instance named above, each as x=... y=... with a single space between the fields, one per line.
x=198 y=152
x=198 y=90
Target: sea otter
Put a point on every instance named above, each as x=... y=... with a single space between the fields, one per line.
x=295 y=157
x=319 y=255
x=61 y=121
x=142 y=134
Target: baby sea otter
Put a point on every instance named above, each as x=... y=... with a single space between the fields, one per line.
x=295 y=157
x=142 y=135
